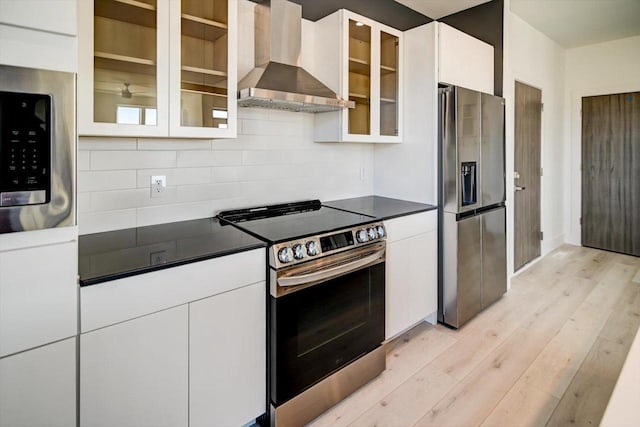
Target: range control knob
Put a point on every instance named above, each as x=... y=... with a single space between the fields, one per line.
x=298 y=251
x=362 y=236
x=312 y=248
x=373 y=233
x=285 y=255
x=381 y=231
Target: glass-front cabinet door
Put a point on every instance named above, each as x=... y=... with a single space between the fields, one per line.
x=389 y=84
x=374 y=61
x=203 y=71
x=122 y=75
x=157 y=68
x=367 y=69
x=360 y=77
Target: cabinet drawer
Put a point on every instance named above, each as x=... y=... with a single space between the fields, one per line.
x=411 y=225
x=39 y=296
x=119 y=300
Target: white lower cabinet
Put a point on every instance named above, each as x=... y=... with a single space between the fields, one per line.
x=202 y=363
x=38 y=296
x=411 y=271
x=136 y=373
x=227 y=358
x=38 y=387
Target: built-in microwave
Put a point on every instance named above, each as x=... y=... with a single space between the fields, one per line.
x=37 y=149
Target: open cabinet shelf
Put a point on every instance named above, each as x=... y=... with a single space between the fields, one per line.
x=112 y=61
x=131 y=11
x=385 y=69
x=201 y=28
x=359 y=66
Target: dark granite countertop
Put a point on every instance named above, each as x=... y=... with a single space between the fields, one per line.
x=380 y=207
x=116 y=254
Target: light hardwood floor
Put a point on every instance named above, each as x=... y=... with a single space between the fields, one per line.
x=548 y=353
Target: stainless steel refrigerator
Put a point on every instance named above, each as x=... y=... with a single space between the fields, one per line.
x=472 y=220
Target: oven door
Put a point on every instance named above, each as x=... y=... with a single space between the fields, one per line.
x=324 y=324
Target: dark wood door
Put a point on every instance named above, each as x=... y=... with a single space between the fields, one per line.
x=611 y=172
x=528 y=121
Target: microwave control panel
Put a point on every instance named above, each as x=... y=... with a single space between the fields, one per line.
x=25 y=149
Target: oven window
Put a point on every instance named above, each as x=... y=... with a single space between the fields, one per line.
x=344 y=312
x=318 y=330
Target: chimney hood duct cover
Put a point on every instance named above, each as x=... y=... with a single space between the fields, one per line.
x=278 y=81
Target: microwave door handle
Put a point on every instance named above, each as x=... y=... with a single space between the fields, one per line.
x=329 y=273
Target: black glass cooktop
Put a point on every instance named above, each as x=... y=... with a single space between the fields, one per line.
x=279 y=223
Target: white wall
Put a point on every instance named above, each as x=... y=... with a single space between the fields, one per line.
x=409 y=170
x=274 y=159
x=536 y=60
x=600 y=69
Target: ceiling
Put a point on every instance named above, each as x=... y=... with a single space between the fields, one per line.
x=436 y=9
x=387 y=12
x=571 y=23
x=574 y=23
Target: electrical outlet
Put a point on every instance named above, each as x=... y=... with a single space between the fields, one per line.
x=158 y=258
x=158 y=185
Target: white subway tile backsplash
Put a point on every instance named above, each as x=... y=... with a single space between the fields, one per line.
x=106 y=180
x=115 y=160
x=261 y=157
x=242 y=142
x=168 y=144
x=263 y=127
x=175 y=176
x=273 y=160
x=84 y=202
x=126 y=199
x=194 y=193
x=208 y=158
x=84 y=163
x=226 y=174
x=172 y=213
x=105 y=144
x=97 y=222
x=265 y=172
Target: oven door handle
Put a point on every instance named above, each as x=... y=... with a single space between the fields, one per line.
x=329 y=273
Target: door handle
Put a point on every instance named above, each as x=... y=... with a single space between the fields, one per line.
x=520 y=188
x=330 y=272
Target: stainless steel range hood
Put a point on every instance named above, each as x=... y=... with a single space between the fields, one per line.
x=278 y=81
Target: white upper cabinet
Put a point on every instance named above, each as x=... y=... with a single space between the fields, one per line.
x=39 y=34
x=38 y=14
x=361 y=60
x=157 y=68
x=464 y=60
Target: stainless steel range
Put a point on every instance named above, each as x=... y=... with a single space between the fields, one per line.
x=325 y=304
